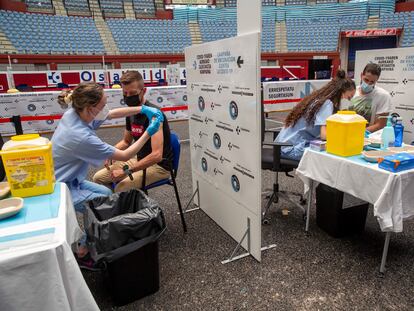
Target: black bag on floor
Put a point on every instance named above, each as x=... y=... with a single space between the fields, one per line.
x=123 y=231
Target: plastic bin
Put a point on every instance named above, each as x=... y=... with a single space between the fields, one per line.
x=28 y=163
x=133 y=276
x=339 y=214
x=345 y=133
x=123 y=231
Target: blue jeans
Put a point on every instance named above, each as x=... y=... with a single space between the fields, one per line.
x=92 y=191
x=291 y=153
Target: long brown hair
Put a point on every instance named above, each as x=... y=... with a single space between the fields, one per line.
x=309 y=106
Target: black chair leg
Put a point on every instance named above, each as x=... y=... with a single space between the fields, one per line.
x=269 y=203
x=179 y=203
x=144 y=177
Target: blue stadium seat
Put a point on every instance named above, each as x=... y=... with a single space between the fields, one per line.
x=144 y=7
x=42 y=34
x=167 y=36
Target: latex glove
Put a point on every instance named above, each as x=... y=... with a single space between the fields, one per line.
x=367 y=133
x=155 y=116
x=151 y=113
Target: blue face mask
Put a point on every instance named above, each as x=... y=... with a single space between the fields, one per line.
x=366 y=88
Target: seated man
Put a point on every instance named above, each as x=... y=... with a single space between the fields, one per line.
x=371 y=101
x=155 y=156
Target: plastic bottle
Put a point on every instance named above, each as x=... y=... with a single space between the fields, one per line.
x=388 y=136
x=398 y=132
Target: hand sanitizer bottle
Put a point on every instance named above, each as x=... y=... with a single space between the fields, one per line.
x=388 y=136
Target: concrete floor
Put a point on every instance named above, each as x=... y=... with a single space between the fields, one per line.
x=315 y=272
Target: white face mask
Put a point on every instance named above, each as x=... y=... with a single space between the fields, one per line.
x=103 y=114
x=367 y=88
x=345 y=103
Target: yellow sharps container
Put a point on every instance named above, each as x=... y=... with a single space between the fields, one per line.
x=28 y=163
x=345 y=133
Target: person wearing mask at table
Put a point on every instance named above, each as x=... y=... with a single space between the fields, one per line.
x=75 y=144
x=307 y=120
x=155 y=156
x=371 y=101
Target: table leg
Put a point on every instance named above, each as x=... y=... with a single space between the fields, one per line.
x=385 y=252
x=309 y=205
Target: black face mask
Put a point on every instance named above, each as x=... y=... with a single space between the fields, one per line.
x=132 y=101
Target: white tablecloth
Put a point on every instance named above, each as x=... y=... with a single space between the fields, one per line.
x=37 y=268
x=392 y=194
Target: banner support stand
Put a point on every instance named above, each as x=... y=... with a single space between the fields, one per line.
x=246 y=234
x=196 y=192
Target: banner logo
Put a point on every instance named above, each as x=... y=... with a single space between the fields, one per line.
x=31 y=107
x=217 y=140
x=234 y=110
x=54 y=77
x=204 y=164
x=235 y=183
x=201 y=103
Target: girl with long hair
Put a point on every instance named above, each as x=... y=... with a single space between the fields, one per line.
x=307 y=120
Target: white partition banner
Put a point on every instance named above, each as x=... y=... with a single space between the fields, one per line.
x=284 y=95
x=45 y=104
x=224 y=109
x=173 y=75
x=397 y=77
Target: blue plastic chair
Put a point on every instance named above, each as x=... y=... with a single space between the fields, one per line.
x=176 y=149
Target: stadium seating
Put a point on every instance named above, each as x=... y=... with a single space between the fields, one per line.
x=150 y=36
x=77 y=7
x=212 y=30
x=354 y=22
x=295 y=2
x=397 y=20
x=144 y=7
x=112 y=8
x=40 y=33
x=312 y=34
x=233 y=3
x=308 y=27
x=404 y=20
x=38 y=4
x=326 y=1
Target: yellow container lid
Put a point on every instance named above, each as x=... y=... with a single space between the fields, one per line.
x=346 y=116
x=24 y=137
x=25 y=141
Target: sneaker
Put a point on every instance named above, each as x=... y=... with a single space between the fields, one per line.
x=87 y=263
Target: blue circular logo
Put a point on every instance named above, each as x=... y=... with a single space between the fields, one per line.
x=234 y=110
x=50 y=122
x=201 y=103
x=235 y=183
x=185 y=98
x=173 y=111
x=204 y=164
x=160 y=100
x=31 y=107
x=217 y=140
